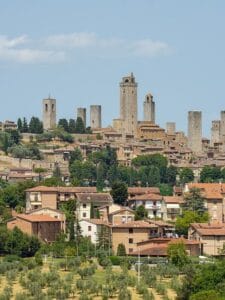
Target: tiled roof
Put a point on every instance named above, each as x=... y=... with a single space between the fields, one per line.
x=143 y=190
x=152 y=250
x=96 y=221
x=62 y=189
x=210 y=190
x=37 y=218
x=173 y=199
x=121 y=210
x=147 y=197
x=212 y=229
x=94 y=197
x=135 y=224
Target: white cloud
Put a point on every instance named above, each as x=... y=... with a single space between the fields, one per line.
x=73 y=40
x=16 y=50
x=150 y=48
x=57 y=48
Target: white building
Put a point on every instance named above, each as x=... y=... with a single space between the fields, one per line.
x=92 y=228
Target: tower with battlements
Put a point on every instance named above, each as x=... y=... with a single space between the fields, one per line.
x=82 y=113
x=95 y=116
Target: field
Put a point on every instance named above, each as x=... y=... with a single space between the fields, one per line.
x=72 y=279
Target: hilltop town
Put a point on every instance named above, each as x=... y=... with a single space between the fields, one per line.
x=121 y=195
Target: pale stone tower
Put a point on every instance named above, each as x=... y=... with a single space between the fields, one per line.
x=95 y=116
x=222 y=126
x=195 y=131
x=49 y=113
x=128 y=104
x=149 y=109
x=171 y=128
x=215 y=132
x=82 y=113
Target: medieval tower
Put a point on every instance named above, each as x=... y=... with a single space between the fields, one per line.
x=82 y=113
x=49 y=113
x=195 y=131
x=95 y=116
x=128 y=105
x=170 y=128
x=149 y=109
x=215 y=132
x=222 y=126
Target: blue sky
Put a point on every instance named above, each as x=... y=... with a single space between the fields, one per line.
x=78 y=51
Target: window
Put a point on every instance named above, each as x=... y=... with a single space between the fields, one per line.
x=123 y=219
x=130 y=250
x=35 y=197
x=131 y=241
x=84 y=205
x=131 y=230
x=84 y=215
x=53 y=107
x=46 y=107
x=89 y=228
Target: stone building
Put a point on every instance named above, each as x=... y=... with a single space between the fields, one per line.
x=128 y=105
x=170 y=128
x=95 y=116
x=82 y=113
x=49 y=113
x=195 y=131
x=215 y=132
x=222 y=126
x=149 y=108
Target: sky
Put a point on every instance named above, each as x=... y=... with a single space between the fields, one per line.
x=77 y=51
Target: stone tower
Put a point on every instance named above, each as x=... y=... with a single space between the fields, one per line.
x=171 y=128
x=149 y=108
x=95 y=116
x=215 y=132
x=222 y=126
x=49 y=113
x=128 y=104
x=82 y=113
x=195 y=131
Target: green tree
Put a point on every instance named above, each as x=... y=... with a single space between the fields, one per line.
x=121 y=250
x=35 y=125
x=25 y=127
x=194 y=201
x=177 y=254
x=19 y=125
x=75 y=155
x=80 y=128
x=171 y=173
x=210 y=174
x=72 y=126
x=140 y=213
x=165 y=189
x=183 y=223
x=157 y=160
x=63 y=123
x=119 y=192
x=101 y=175
x=186 y=175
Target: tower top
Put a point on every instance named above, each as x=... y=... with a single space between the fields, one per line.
x=129 y=80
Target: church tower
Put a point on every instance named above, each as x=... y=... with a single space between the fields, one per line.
x=49 y=113
x=128 y=104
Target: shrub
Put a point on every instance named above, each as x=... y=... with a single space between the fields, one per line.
x=115 y=260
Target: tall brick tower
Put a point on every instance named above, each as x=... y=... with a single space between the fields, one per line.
x=149 y=108
x=128 y=104
x=49 y=113
x=195 y=131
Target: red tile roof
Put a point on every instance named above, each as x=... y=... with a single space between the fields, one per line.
x=173 y=199
x=37 y=218
x=146 y=197
x=62 y=189
x=212 y=229
x=135 y=224
x=94 y=197
x=143 y=190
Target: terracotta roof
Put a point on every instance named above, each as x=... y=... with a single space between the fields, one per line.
x=96 y=221
x=143 y=190
x=63 y=189
x=135 y=224
x=210 y=190
x=212 y=229
x=121 y=210
x=147 y=197
x=160 y=223
x=173 y=199
x=153 y=250
x=167 y=241
x=37 y=218
x=94 y=197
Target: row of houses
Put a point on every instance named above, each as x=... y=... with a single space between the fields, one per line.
x=44 y=218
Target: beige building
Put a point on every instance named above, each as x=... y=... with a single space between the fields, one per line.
x=45 y=227
x=132 y=233
x=211 y=235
